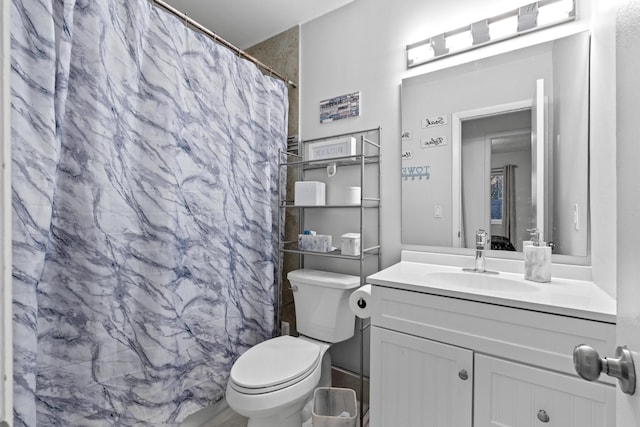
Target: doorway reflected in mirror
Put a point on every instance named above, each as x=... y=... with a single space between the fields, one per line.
x=496 y=178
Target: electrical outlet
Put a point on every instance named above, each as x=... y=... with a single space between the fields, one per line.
x=284 y=326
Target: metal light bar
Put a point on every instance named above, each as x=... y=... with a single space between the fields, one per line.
x=525 y=19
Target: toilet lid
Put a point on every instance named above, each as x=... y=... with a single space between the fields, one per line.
x=275 y=362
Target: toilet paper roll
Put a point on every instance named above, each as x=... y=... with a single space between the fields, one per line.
x=360 y=301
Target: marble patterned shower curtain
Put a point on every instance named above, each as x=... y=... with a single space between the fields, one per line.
x=145 y=212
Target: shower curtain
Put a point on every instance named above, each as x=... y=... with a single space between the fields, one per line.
x=144 y=213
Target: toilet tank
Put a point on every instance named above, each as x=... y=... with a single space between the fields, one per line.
x=322 y=304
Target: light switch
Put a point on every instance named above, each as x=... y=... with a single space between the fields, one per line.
x=437 y=211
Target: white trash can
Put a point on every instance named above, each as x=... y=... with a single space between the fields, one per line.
x=334 y=407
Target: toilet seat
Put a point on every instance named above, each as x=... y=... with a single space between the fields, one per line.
x=274 y=364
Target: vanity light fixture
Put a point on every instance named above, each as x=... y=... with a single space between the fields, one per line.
x=525 y=19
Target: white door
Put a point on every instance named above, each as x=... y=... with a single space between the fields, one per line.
x=628 y=198
x=628 y=201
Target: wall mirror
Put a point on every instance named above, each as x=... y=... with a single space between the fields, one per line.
x=500 y=144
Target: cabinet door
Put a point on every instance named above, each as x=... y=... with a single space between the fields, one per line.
x=417 y=382
x=510 y=394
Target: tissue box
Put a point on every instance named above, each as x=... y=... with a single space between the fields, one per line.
x=309 y=193
x=351 y=244
x=317 y=243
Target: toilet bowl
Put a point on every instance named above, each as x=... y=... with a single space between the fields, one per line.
x=271 y=382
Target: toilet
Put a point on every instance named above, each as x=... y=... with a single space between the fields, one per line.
x=272 y=382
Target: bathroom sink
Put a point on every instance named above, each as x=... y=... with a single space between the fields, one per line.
x=480 y=281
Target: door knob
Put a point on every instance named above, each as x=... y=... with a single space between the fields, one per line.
x=589 y=365
x=543 y=416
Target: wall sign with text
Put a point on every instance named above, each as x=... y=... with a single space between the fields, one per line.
x=435 y=121
x=339 y=147
x=414 y=172
x=434 y=141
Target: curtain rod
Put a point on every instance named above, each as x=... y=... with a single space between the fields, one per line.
x=188 y=21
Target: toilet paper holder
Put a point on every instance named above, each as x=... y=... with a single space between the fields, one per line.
x=359 y=302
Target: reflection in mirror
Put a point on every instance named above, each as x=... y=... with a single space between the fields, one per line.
x=496 y=179
x=502 y=144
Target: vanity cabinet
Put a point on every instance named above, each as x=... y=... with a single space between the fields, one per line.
x=420 y=382
x=509 y=394
x=441 y=361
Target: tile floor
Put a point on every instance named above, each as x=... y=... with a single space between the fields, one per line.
x=226 y=417
x=229 y=418
x=221 y=415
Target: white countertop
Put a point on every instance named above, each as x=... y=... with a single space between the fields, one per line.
x=567 y=297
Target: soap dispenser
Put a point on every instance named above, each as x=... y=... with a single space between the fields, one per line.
x=537 y=259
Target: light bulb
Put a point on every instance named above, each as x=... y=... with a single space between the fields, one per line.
x=554 y=12
x=503 y=28
x=459 y=41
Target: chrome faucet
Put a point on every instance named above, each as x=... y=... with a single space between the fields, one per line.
x=482 y=240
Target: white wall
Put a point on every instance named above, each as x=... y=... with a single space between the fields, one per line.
x=602 y=209
x=362 y=47
x=569 y=162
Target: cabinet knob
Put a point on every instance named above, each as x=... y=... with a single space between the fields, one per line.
x=543 y=416
x=463 y=374
x=589 y=365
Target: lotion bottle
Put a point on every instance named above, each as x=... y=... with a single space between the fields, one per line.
x=537 y=259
